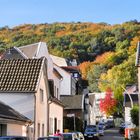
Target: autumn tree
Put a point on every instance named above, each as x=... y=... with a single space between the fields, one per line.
x=108 y=104
x=84 y=68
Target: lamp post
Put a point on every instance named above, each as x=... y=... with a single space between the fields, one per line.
x=122 y=88
x=128 y=96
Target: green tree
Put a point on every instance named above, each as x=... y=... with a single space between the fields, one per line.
x=94 y=75
x=135 y=115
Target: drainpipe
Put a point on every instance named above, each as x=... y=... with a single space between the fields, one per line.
x=49 y=102
x=34 y=115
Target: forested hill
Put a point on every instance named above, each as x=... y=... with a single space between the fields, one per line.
x=83 y=41
x=110 y=49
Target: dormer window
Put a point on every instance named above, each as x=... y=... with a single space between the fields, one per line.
x=75 y=75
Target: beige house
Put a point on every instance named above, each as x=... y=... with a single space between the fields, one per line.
x=38 y=50
x=24 y=87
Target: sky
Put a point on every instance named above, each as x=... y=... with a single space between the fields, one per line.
x=18 y=12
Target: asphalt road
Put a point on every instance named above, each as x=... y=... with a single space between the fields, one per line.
x=112 y=134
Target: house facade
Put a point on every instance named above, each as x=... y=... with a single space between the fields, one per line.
x=24 y=87
x=39 y=50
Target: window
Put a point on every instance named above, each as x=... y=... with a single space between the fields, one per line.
x=51 y=126
x=75 y=75
x=59 y=124
x=38 y=129
x=42 y=130
x=57 y=96
x=55 y=91
x=41 y=95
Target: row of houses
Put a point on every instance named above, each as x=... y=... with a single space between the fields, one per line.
x=37 y=90
x=40 y=89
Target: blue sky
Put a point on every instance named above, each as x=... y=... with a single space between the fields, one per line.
x=17 y=12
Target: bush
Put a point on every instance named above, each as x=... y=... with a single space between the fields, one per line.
x=136 y=134
x=135 y=115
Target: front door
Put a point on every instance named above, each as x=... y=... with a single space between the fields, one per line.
x=55 y=124
x=3 y=129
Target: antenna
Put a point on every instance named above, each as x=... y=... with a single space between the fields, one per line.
x=9 y=51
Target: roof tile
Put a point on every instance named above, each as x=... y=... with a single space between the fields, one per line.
x=19 y=75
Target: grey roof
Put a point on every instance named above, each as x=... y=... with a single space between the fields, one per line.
x=55 y=100
x=59 y=60
x=12 y=53
x=6 y=112
x=20 y=75
x=72 y=101
x=29 y=50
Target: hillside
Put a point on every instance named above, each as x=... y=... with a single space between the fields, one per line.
x=105 y=52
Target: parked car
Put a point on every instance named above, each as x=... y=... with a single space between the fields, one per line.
x=110 y=123
x=70 y=136
x=122 y=128
x=102 y=124
x=91 y=132
x=80 y=136
x=50 y=138
x=13 y=138
x=101 y=131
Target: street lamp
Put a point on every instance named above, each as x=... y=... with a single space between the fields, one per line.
x=122 y=88
x=128 y=96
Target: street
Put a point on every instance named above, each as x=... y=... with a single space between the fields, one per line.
x=112 y=134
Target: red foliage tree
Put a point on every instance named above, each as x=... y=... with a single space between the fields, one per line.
x=108 y=104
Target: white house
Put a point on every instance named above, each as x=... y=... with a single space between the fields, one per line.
x=67 y=86
x=129 y=101
x=24 y=87
x=97 y=114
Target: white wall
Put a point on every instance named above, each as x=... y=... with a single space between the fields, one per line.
x=43 y=51
x=16 y=130
x=65 y=86
x=56 y=111
x=41 y=108
x=127 y=115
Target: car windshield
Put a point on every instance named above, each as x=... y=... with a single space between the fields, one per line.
x=12 y=139
x=91 y=129
x=67 y=137
x=52 y=138
x=4 y=138
x=100 y=128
